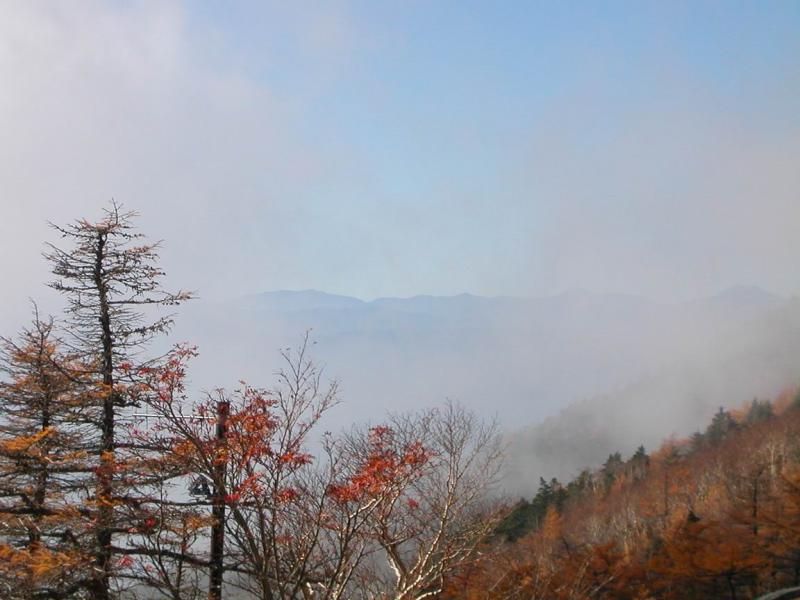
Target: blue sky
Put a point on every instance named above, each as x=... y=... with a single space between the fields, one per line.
x=396 y=148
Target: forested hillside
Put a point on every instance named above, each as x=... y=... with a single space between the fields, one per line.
x=716 y=515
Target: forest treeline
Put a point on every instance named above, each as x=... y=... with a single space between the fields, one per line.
x=716 y=515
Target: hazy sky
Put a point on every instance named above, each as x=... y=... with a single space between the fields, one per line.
x=397 y=148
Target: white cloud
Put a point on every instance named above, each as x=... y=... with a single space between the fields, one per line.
x=105 y=100
x=674 y=198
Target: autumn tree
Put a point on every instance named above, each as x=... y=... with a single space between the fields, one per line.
x=386 y=510
x=705 y=558
x=43 y=439
x=111 y=280
x=434 y=522
x=295 y=524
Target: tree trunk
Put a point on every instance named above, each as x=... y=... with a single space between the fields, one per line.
x=106 y=472
x=216 y=571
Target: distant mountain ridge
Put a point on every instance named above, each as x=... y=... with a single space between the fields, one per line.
x=749 y=295
x=299 y=300
x=581 y=365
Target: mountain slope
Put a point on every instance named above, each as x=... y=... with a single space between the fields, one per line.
x=713 y=516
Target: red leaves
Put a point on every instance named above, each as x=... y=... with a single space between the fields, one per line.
x=415 y=455
x=387 y=465
x=344 y=493
x=125 y=562
x=158 y=384
x=295 y=459
x=286 y=495
x=146 y=525
x=250 y=487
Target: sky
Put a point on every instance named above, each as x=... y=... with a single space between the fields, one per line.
x=402 y=148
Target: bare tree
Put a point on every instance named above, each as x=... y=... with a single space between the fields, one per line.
x=435 y=523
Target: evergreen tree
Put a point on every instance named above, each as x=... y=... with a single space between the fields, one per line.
x=720 y=427
x=760 y=410
x=517 y=523
x=560 y=494
x=640 y=455
x=542 y=499
x=612 y=468
x=580 y=484
x=638 y=463
x=529 y=516
x=697 y=441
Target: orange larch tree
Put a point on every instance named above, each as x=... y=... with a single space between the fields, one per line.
x=112 y=283
x=44 y=435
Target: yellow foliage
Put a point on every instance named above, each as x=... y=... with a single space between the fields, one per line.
x=35 y=562
x=23 y=443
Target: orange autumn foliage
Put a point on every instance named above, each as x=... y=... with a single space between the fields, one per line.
x=706 y=518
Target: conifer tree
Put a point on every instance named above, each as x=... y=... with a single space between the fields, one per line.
x=612 y=468
x=720 y=427
x=111 y=280
x=638 y=463
x=42 y=467
x=760 y=410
